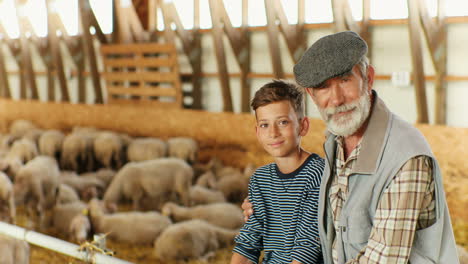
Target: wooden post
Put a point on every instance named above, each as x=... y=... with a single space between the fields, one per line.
x=436 y=38
x=417 y=61
x=85 y=10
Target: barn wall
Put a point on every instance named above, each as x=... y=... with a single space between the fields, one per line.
x=229 y=136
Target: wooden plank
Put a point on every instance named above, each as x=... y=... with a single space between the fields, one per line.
x=141 y=76
x=139 y=62
x=140 y=47
x=144 y=102
x=145 y=91
x=417 y=61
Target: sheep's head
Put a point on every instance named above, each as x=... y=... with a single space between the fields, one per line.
x=168 y=209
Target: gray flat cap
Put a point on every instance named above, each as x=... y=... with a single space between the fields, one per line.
x=328 y=57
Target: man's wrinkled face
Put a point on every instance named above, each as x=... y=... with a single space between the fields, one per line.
x=344 y=102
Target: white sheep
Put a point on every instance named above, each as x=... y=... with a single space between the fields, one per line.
x=86 y=187
x=225 y=215
x=10 y=165
x=109 y=149
x=130 y=227
x=20 y=127
x=78 y=152
x=63 y=216
x=25 y=149
x=234 y=186
x=6 y=140
x=159 y=180
x=188 y=240
x=183 y=148
x=7 y=199
x=80 y=228
x=103 y=174
x=37 y=183
x=13 y=251
x=203 y=195
x=207 y=180
x=33 y=135
x=50 y=143
x=66 y=194
x=141 y=149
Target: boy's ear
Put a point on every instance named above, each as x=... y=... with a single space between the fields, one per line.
x=304 y=126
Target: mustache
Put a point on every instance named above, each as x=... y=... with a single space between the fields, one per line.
x=330 y=111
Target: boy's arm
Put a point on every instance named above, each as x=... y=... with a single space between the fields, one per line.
x=239 y=259
x=249 y=242
x=307 y=248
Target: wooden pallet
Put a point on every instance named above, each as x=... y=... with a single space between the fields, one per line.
x=142 y=73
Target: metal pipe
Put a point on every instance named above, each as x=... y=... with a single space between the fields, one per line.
x=57 y=245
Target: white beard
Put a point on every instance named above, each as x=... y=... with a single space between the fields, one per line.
x=349 y=123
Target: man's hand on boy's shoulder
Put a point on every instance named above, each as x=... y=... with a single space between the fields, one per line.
x=247 y=209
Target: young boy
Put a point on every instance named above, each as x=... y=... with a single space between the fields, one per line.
x=284 y=194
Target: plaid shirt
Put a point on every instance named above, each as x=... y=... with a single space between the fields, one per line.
x=407 y=205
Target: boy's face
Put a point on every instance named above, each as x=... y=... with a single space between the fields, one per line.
x=279 y=130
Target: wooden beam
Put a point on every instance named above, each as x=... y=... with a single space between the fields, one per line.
x=28 y=77
x=417 y=61
x=273 y=34
x=4 y=83
x=85 y=9
x=220 y=56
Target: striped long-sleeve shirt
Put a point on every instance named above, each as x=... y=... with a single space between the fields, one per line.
x=284 y=223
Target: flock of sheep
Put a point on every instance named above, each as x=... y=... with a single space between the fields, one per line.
x=74 y=183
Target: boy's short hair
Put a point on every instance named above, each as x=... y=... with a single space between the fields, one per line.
x=279 y=90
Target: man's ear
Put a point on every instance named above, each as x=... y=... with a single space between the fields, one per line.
x=304 y=126
x=310 y=92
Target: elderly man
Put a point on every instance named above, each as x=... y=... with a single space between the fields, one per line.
x=381 y=197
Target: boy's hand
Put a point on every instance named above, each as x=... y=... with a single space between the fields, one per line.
x=248 y=209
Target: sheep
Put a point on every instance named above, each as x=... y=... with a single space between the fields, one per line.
x=25 y=149
x=183 y=148
x=10 y=165
x=208 y=180
x=104 y=175
x=109 y=149
x=66 y=220
x=86 y=187
x=130 y=227
x=38 y=182
x=78 y=152
x=225 y=215
x=33 y=135
x=141 y=149
x=13 y=251
x=66 y=194
x=202 y=195
x=159 y=180
x=194 y=239
x=80 y=228
x=50 y=143
x=20 y=127
x=7 y=202
x=6 y=140
x=234 y=187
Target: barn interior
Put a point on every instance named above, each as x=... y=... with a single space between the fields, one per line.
x=164 y=69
